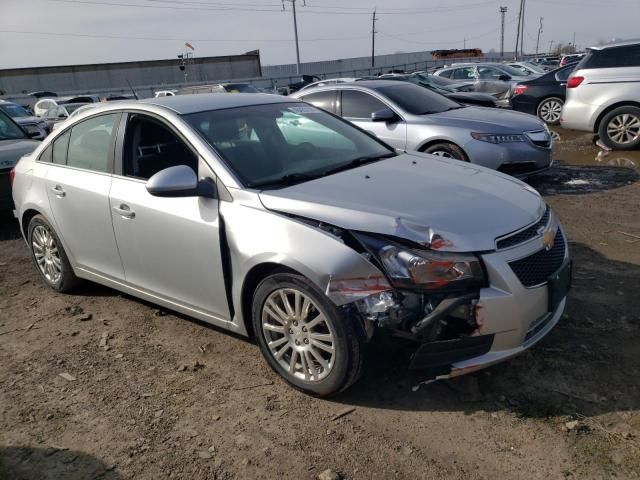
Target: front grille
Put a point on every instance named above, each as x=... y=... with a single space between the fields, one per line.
x=526 y=234
x=540 y=138
x=537 y=268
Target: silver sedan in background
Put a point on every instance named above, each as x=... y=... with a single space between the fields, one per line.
x=269 y=217
x=410 y=117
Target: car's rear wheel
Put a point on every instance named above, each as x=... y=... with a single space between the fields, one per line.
x=49 y=256
x=304 y=337
x=550 y=110
x=445 y=149
x=620 y=128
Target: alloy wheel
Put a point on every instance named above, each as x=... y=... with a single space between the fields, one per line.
x=550 y=111
x=624 y=129
x=46 y=253
x=298 y=334
x=442 y=153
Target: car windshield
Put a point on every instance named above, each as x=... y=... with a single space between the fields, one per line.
x=512 y=71
x=8 y=129
x=534 y=67
x=240 y=88
x=14 y=110
x=417 y=100
x=271 y=146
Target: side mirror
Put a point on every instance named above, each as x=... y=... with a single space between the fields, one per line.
x=180 y=181
x=62 y=115
x=504 y=78
x=33 y=134
x=385 y=115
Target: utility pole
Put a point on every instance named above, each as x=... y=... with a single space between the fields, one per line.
x=539 y=32
x=464 y=43
x=295 y=30
x=518 y=31
x=524 y=5
x=574 y=41
x=503 y=11
x=373 y=39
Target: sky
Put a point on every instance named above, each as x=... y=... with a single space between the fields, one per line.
x=66 y=32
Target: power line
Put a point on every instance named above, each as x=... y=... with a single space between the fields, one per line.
x=174 y=39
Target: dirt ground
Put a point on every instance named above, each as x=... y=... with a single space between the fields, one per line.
x=134 y=392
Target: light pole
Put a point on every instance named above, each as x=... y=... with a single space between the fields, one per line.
x=295 y=30
x=373 y=39
x=539 y=32
x=503 y=11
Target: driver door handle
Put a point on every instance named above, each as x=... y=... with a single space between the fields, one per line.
x=124 y=211
x=58 y=191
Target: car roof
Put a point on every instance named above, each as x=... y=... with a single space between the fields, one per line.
x=185 y=104
x=625 y=43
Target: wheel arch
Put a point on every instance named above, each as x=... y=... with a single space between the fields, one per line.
x=26 y=217
x=251 y=281
x=610 y=108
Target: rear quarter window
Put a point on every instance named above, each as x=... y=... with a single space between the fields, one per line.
x=628 y=56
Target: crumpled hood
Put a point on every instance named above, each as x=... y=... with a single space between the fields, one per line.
x=446 y=204
x=12 y=150
x=490 y=120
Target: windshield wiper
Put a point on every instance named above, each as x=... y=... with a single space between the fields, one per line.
x=356 y=162
x=286 y=180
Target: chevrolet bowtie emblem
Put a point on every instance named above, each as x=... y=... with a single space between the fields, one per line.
x=548 y=239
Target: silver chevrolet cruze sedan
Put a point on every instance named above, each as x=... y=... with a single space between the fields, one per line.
x=269 y=217
x=411 y=117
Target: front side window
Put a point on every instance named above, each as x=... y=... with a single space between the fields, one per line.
x=357 y=104
x=446 y=74
x=273 y=145
x=14 y=110
x=90 y=143
x=150 y=146
x=323 y=100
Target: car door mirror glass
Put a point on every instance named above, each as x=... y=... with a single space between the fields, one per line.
x=384 y=115
x=179 y=181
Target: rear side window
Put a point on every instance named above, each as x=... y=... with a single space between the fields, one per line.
x=628 y=56
x=91 y=142
x=60 y=147
x=323 y=100
x=564 y=74
x=357 y=104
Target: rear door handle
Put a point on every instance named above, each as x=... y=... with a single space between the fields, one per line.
x=58 y=191
x=124 y=211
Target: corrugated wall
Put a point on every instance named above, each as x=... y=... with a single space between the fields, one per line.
x=109 y=76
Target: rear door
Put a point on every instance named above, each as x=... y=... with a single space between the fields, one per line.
x=170 y=247
x=78 y=183
x=357 y=107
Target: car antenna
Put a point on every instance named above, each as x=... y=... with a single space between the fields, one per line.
x=135 y=95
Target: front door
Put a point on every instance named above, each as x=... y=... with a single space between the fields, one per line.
x=357 y=107
x=170 y=247
x=78 y=184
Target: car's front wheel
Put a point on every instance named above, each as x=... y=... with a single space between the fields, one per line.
x=620 y=128
x=550 y=110
x=445 y=149
x=304 y=337
x=49 y=256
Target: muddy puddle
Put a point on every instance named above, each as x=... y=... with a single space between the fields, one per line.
x=581 y=167
x=577 y=148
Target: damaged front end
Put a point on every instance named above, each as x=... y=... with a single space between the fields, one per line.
x=427 y=296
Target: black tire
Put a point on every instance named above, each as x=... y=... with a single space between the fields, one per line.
x=551 y=116
x=612 y=119
x=347 y=343
x=446 y=149
x=67 y=280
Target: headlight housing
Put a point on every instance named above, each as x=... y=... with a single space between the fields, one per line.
x=417 y=268
x=498 y=137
